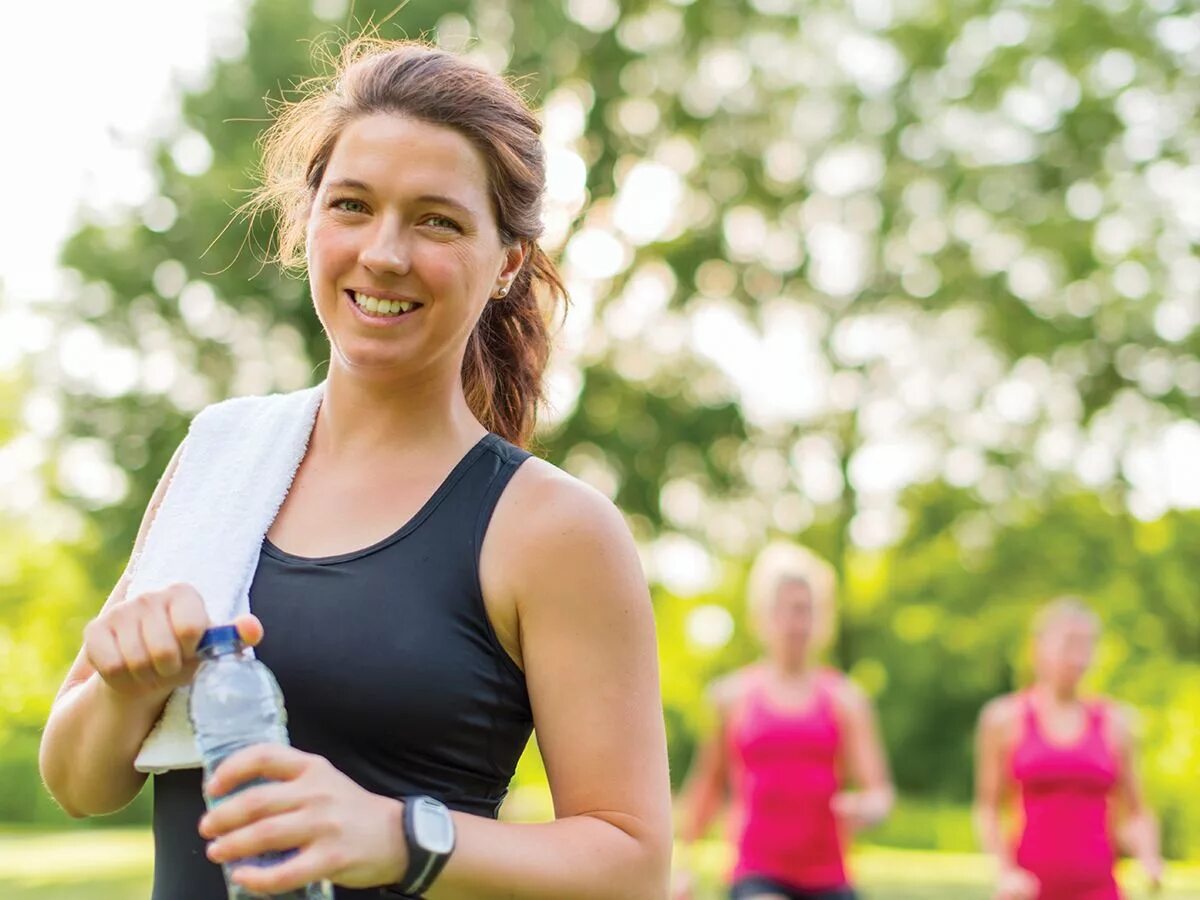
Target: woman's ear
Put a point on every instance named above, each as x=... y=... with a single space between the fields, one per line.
x=514 y=258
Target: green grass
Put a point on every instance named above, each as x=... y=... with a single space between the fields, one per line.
x=104 y=889
x=888 y=873
x=76 y=865
x=115 y=865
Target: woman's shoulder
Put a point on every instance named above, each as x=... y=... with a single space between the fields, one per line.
x=847 y=694
x=547 y=498
x=550 y=528
x=727 y=692
x=1120 y=720
x=1000 y=715
x=850 y=702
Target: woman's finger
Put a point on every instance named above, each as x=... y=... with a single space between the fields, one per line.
x=248 y=806
x=288 y=831
x=104 y=654
x=309 y=865
x=188 y=618
x=158 y=637
x=133 y=650
x=249 y=628
x=274 y=762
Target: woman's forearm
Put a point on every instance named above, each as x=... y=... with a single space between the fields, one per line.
x=586 y=857
x=700 y=806
x=991 y=837
x=91 y=739
x=1140 y=837
x=878 y=803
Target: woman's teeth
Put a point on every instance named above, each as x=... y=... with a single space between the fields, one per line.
x=375 y=306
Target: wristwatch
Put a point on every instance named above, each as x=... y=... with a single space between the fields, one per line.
x=429 y=834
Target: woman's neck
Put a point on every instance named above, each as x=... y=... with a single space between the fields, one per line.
x=364 y=419
x=1057 y=695
x=789 y=669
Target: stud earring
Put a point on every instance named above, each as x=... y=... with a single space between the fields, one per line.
x=502 y=293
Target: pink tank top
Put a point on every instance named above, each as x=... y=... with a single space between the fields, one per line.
x=784 y=773
x=1065 y=792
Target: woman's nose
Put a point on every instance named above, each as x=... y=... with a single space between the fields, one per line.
x=386 y=250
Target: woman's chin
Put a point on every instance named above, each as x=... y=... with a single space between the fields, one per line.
x=369 y=366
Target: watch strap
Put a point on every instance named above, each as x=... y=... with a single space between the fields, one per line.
x=424 y=866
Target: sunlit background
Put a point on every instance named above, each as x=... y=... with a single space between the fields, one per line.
x=915 y=283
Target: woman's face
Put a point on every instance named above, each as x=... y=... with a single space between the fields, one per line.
x=790 y=621
x=403 y=222
x=1064 y=651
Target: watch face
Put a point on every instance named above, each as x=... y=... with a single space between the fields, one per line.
x=433 y=828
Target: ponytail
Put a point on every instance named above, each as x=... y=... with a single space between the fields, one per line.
x=508 y=350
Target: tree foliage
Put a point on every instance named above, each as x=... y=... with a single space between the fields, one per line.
x=912 y=281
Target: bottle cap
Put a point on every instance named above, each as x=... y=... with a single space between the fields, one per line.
x=221 y=634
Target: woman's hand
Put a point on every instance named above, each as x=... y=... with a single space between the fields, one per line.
x=1017 y=884
x=145 y=647
x=860 y=809
x=682 y=884
x=1153 y=867
x=342 y=832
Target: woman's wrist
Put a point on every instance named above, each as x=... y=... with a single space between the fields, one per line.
x=1005 y=864
x=876 y=805
x=147 y=705
x=395 y=864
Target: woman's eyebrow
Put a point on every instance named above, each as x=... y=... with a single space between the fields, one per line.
x=355 y=184
x=446 y=201
x=349 y=183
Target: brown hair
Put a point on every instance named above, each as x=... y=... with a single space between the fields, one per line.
x=508 y=350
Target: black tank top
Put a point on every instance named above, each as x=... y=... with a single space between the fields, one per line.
x=389 y=668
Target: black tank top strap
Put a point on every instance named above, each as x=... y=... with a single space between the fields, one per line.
x=507 y=458
x=501 y=464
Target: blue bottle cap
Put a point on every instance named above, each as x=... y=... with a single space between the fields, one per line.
x=221 y=634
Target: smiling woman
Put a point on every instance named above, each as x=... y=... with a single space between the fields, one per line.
x=428 y=592
x=473 y=188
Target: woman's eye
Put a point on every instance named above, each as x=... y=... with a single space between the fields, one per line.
x=441 y=222
x=349 y=204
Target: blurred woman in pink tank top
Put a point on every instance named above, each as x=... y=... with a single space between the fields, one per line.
x=1071 y=762
x=790 y=730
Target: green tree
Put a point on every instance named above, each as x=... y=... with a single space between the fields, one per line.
x=873 y=274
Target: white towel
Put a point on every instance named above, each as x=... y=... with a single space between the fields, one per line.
x=235 y=468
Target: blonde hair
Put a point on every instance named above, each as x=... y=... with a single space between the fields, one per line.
x=1062 y=608
x=780 y=562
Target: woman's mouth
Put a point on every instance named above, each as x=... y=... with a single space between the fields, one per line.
x=380 y=307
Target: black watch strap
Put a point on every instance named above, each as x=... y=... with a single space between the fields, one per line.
x=424 y=864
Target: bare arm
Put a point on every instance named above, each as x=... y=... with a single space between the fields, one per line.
x=93 y=732
x=991 y=745
x=704 y=791
x=1139 y=827
x=865 y=760
x=994 y=739
x=590 y=658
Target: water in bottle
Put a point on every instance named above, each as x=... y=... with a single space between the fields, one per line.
x=234 y=702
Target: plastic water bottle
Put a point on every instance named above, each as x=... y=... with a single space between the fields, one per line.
x=235 y=702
